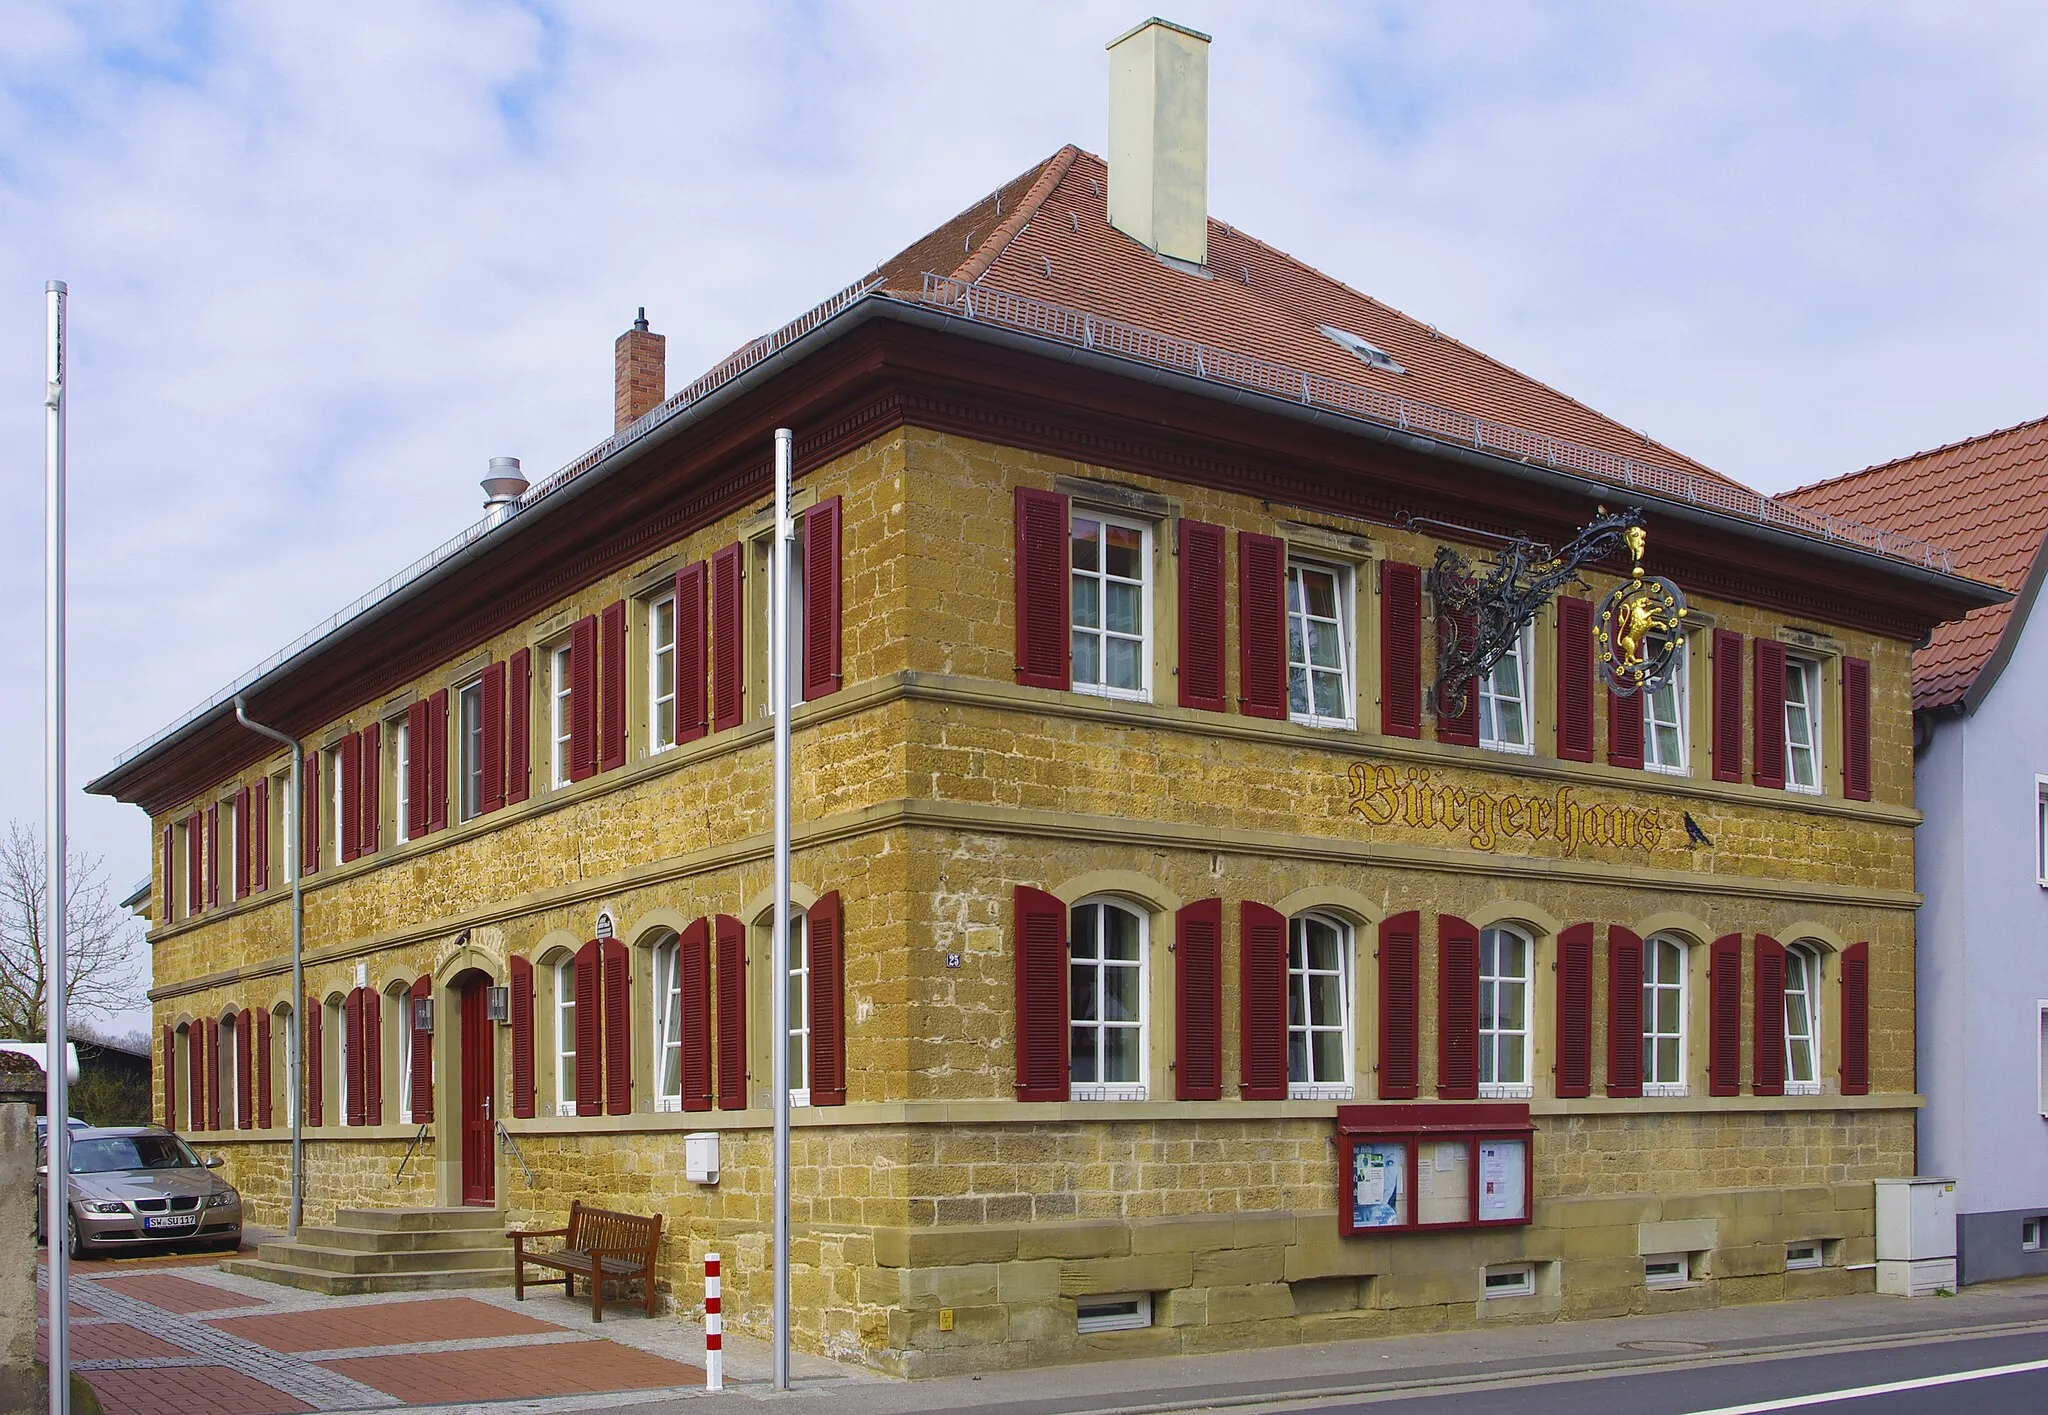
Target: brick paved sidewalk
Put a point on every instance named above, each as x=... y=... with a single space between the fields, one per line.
x=172 y=1336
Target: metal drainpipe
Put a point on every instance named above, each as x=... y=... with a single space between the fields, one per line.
x=294 y=1052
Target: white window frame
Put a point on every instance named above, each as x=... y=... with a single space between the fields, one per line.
x=288 y=821
x=1297 y=614
x=799 y=984
x=2041 y=831
x=560 y=681
x=1523 y=654
x=289 y=1062
x=1102 y=1312
x=2032 y=1233
x=1809 y=1004
x=1807 y=672
x=1139 y=1088
x=1300 y=1020
x=340 y=1116
x=795 y=663
x=1143 y=692
x=1653 y=982
x=1806 y=1254
x=230 y=1063
x=1493 y=1041
x=2041 y=1058
x=668 y=1018
x=1662 y=1270
x=402 y=1005
x=1509 y=1280
x=658 y=651
x=1679 y=682
x=334 y=801
x=565 y=1036
x=400 y=731
x=469 y=750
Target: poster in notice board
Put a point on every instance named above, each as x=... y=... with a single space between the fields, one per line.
x=1503 y=1175
x=1379 y=1185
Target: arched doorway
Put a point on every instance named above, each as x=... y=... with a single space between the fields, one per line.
x=475 y=1051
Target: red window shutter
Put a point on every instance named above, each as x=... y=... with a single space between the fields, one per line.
x=693 y=951
x=618 y=1027
x=245 y=1099
x=1457 y=994
x=611 y=691
x=732 y=1013
x=1201 y=615
x=1624 y=1012
x=352 y=1032
x=1039 y=937
x=1400 y=649
x=827 y=941
x=170 y=1077
x=583 y=698
x=263 y=1069
x=691 y=703
x=1724 y=1006
x=1575 y=680
x=422 y=1078
x=728 y=639
x=1624 y=730
x=821 y=607
x=373 y=1056
x=348 y=760
x=417 y=816
x=260 y=838
x=1575 y=1011
x=1856 y=1020
x=1262 y=626
x=311 y=1066
x=589 y=1030
x=1462 y=730
x=521 y=979
x=242 y=834
x=437 y=760
x=167 y=898
x=1400 y=1004
x=1767 y=1059
x=1262 y=1002
x=1727 y=705
x=368 y=795
x=1043 y=583
x=1198 y=1001
x=492 y=691
x=1856 y=728
x=1769 y=767
x=213 y=855
x=213 y=1073
x=519 y=726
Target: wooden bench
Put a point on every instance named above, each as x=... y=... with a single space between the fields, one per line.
x=598 y=1245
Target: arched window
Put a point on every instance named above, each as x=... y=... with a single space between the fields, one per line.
x=1664 y=1010
x=227 y=1069
x=1802 y=1020
x=398 y=1075
x=668 y=1018
x=1319 y=1046
x=336 y=1027
x=1106 y=987
x=565 y=1035
x=1505 y=970
x=799 y=984
x=284 y=1068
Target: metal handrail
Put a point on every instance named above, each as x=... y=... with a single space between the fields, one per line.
x=408 y=1153
x=991 y=304
x=505 y=1139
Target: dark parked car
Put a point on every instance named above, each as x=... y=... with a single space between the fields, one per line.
x=142 y=1185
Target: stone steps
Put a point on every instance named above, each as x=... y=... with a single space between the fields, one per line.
x=388 y=1250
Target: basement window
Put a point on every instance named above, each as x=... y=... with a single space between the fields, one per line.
x=1667 y=1269
x=1123 y=1311
x=1803 y=1255
x=1368 y=352
x=1514 y=1280
x=2032 y=1231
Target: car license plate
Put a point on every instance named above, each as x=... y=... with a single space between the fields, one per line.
x=172 y=1221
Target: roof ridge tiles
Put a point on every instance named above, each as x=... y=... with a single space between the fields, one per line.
x=1050 y=175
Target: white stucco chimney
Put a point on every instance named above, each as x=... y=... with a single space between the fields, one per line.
x=1159 y=139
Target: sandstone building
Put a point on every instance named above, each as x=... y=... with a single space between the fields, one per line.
x=1145 y=881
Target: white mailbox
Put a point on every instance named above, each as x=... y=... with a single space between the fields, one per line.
x=1916 y=1236
x=700 y=1157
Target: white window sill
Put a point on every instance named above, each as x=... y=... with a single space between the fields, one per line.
x=1802 y=790
x=668 y=1105
x=1802 y=1088
x=1520 y=749
x=1121 y=1091
x=1667 y=770
x=1663 y=1090
x=1122 y=695
x=1503 y=1092
x=1328 y=724
x=1313 y=1091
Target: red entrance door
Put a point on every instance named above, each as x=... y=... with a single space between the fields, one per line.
x=478 y=1171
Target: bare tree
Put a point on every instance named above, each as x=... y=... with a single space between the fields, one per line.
x=99 y=953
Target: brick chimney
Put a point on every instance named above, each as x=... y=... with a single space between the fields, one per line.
x=640 y=374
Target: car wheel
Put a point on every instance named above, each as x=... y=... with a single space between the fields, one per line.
x=71 y=1229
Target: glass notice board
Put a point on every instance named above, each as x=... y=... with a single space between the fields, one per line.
x=1434 y=1166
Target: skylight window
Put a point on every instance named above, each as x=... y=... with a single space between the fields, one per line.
x=1370 y=352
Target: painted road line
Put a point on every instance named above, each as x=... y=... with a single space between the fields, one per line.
x=1801 y=1402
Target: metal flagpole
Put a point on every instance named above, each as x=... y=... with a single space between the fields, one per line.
x=778 y=989
x=57 y=1034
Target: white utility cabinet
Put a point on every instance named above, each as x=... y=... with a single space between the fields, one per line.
x=700 y=1157
x=1916 y=1236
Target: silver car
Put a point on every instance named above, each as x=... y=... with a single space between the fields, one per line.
x=142 y=1185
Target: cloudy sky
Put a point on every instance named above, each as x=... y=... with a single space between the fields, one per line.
x=326 y=260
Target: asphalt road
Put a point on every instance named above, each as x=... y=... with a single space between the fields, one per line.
x=1940 y=1376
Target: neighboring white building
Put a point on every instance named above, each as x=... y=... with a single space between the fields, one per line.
x=1981 y=778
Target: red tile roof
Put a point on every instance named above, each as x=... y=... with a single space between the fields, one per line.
x=1986 y=500
x=1046 y=234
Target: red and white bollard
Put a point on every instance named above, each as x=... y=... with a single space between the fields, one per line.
x=714 y=1327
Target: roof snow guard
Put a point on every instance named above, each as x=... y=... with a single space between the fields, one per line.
x=990 y=305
